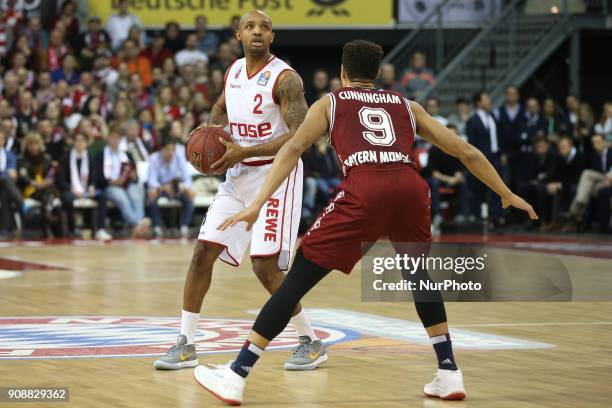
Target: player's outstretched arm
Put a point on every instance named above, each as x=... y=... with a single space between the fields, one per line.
x=471 y=157
x=313 y=127
x=293 y=107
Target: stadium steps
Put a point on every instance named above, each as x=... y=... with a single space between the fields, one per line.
x=506 y=51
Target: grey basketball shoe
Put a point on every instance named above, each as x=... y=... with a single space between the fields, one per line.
x=181 y=355
x=307 y=356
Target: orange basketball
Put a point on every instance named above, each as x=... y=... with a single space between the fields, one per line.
x=204 y=147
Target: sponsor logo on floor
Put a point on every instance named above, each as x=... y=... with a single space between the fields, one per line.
x=110 y=336
x=413 y=332
x=106 y=336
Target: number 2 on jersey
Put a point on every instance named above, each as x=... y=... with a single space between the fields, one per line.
x=258 y=102
x=379 y=127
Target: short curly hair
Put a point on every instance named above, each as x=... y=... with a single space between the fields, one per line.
x=361 y=59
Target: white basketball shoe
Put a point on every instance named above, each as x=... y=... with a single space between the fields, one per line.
x=448 y=385
x=221 y=382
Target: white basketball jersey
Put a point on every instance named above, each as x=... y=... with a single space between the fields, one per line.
x=253 y=114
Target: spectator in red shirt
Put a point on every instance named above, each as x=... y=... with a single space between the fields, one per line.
x=104 y=72
x=138 y=94
x=68 y=17
x=12 y=15
x=19 y=68
x=156 y=52
x=165 y=109
x=52 y=57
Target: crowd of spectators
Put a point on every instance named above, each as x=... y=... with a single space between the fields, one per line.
x=86 y=106
x=559 y=157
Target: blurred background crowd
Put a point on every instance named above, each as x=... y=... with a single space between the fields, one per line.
x=94 y=115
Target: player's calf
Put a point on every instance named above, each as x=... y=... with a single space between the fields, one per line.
x=310 y=353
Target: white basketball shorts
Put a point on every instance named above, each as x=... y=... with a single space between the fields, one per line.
x=274 y=233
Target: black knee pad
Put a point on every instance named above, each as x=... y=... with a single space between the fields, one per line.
x=429 y=303
x=275 y=314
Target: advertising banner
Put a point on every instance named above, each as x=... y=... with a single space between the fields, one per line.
x=456 y=11
x=284 y=13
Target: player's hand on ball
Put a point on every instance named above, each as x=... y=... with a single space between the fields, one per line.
x=234 y=154
x=202 y=125
x=517 y=202
x=248 y=215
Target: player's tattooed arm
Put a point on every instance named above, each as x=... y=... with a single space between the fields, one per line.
x=218 y=113
x=290 y=95
x=472 y=158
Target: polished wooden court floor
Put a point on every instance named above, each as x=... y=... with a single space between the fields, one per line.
x=146 y=279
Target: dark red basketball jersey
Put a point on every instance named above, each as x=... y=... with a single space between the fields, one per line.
x=370 y=127
x=383 y=196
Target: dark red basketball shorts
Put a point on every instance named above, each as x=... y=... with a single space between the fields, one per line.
x=373 y=202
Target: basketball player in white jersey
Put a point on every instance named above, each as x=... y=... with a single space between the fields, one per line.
x=262 y=106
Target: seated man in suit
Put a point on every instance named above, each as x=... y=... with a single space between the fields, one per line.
x=563 y=185
x=481 y=131
x=534 y=121
x=537 y=170
x=444 y=170
x=591 y=181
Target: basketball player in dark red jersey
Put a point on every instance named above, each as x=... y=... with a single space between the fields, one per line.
x=382 y=195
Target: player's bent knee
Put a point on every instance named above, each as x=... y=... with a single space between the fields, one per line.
x=266 y=270
x=204 y=256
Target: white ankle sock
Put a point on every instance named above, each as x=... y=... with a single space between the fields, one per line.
x=189 y=323
x=302 y=325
